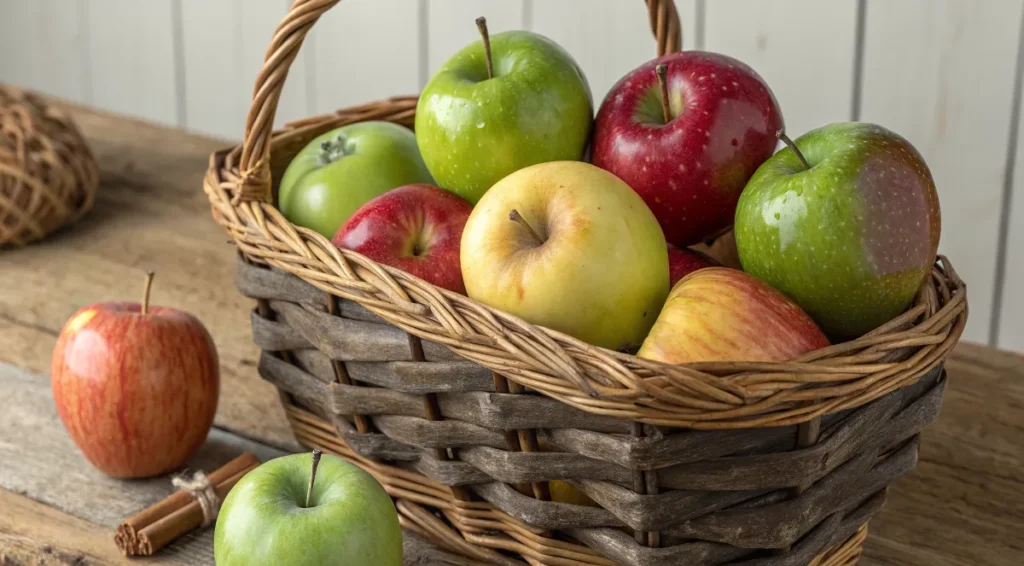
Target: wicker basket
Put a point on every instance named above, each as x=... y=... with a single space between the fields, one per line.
x=465 y=413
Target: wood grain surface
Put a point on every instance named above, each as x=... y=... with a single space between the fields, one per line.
x=962 y=506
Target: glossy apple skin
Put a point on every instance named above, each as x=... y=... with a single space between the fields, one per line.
x=684 y=261
x=321 y=189
x=137 y=393
x=416 y=228
x=690 y=171
x=601 y=273
x=850 y=240
x=721 y=314
x=473 y=131
x=351 y=519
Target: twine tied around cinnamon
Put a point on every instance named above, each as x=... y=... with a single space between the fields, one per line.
x=200 y=487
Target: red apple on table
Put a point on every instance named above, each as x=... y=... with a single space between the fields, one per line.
x=135 y=386
x=722 y=314
x=684 y=261
x=416 y=228
x=690 y=157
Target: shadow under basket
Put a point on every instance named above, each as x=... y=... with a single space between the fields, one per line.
x=509 y=443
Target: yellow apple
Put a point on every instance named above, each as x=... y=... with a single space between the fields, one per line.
x=568 y=246
x=722 y=314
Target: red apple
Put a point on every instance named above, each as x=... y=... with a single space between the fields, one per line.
x=136 y=387
x=691 y=158
x=722 y=314
x=416 y=228
x=684 y=261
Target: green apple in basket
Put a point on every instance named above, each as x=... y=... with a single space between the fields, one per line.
x=285 y=512
x=501 y=104
x=845 y=222
x=568 y=246
x=341 y=170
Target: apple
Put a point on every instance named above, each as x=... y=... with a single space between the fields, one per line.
x=687 y=142
x=499 y=105
x=721 y=314
x=416 y=228
x=341 y=170
x=684 y=261
x=571 y=247
x=135 y=386
x=284 y=513
x=848 y=228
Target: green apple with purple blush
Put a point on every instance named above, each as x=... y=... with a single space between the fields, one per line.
x=845 y=222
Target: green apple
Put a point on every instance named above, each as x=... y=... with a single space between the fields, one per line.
x=473 y=129
x=341 y=170
x=272 y=517
x=568 y=246
x=847 y=226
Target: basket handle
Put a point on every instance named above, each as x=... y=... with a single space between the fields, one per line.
x=254 y=181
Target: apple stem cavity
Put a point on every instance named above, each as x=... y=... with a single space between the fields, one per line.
x=514 y=216
x=781 y=134
x=481 y=24
x=312 y=475
x=145 y=292
x=662 y=71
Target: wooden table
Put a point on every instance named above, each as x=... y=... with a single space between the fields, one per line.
x=963 y=506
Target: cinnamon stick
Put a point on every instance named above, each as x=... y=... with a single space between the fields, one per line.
x=158 y=525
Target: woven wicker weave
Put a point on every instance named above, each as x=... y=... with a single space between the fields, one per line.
x=48 y=176
x=465 y=413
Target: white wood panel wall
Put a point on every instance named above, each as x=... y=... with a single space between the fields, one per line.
x=943 y=73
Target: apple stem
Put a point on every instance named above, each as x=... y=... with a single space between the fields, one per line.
x=781 y=134
x=312 y=475
x=662 y=71
x=481 y=24
x=514 y=216
x=145 y=291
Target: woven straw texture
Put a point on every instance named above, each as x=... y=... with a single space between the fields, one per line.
x=48 y=176
x=465 y=414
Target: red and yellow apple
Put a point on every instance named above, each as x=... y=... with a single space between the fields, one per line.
x=568 y=246
x=416 y=228
x=722 y=314
x=135 y=386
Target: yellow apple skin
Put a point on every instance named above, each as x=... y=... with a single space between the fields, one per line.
x=601 y=272
x=722 y=314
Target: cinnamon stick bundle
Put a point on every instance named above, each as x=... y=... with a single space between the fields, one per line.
x=156 y=526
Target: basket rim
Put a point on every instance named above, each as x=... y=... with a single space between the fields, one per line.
x=706 y=395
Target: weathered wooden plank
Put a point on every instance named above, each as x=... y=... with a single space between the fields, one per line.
x=526 y=467
x=933 y=91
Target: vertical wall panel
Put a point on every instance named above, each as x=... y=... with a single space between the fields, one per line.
x=43 y=47
x=1011 y=316
x=451 y=24
x=366 y=50
x=941 y=74
x=131 y=55
x=804 y=49
x=608 y=38
x=224 y=44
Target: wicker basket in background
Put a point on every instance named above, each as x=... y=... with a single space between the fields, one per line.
x=48 y=176
x=465 y=414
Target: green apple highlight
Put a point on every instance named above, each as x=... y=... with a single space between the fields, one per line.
x=851 y=234
x=273 y=517
x=473 y=129
x=341 y=170
x=568 y=246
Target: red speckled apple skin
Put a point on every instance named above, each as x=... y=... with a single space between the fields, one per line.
x=136 y=392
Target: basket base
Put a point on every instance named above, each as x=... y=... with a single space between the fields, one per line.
x=413 y=494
